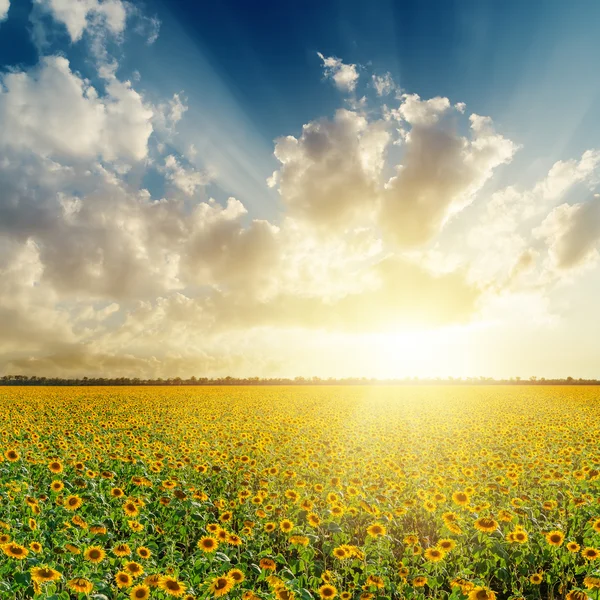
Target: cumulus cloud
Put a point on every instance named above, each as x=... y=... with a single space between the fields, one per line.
x=101 y=278
x=344 y=76
x=4 y=6
x=572 y=233
x=80 y=15
x=503 y=240
x=330 y=173
x=441 y=171
x=187 y=180
x=54 y=112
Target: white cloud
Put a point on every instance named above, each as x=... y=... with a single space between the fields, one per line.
x=168 y=114
x=330 y=174
x=344 y=76
x=440 y=172
x=79 y=15
x=383 y=84
x=422 y=112
x=187 y=180
x=52 y=111
x=503 y=238
x=4 y=6
x=572 y=233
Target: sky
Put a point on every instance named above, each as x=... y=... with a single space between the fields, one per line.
x=378 y=189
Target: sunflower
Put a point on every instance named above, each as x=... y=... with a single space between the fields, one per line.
x=117 y=492
x=12 y=455
x=267 y=564
x=44 y=574
x=555 y=538
x=122 y=550
x=152 y=581
x=313 y=520
x=208 y=544
x=55 y=467
x=481 y=593
x=519 y=536
x=434 y=554
x=486 y=524
x=577 y=595
x=376 y=530
x=237 y=575
x=591 y=582
x=327 y=591
x=140 y=592
x=269 y=527
x=123 y=579
x=130 y=509
x=446 y=545
x=171 y=586
x=15 y=550
x=4 y=538
x=135 y=526
x=98 y=529
x=419 y=581
x=596 y=525
x=80 y=585
x=286 y=525
x=94 y=554
x=282 y=593
x=221 y=585
x=57 y=486
x=35 y=546
x=536 y=578
x=375 y=581
x=213 y=527
x=460 y=498
x=73 y=502
x=299 y=540
x=234 y=540
x=134 y=568
x=143 y=552
x=573 y=547
x=340 y=553
x=590 y=553
x=465 y=585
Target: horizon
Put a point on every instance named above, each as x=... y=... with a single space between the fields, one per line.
x=391 y=189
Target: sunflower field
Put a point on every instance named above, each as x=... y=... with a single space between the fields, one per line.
x=300 y=493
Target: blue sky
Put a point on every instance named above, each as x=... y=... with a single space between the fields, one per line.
x=531 y=66
x=222 y=187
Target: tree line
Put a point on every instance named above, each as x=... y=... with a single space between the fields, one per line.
x=14 y=380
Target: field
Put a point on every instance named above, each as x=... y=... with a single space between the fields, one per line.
x=300 y=492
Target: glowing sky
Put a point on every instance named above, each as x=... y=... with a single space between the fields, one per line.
x=377 y=189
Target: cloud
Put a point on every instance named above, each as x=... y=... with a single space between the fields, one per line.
x=52 y=111
x=99 y=277
x=4 y=7
x=168 y=114
x=572 y=233
x=330 y=173
x=441 y=171
x=503 y=237
x=344 y=76
x=187 y=180
x=81 y=15
x=383 y=84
